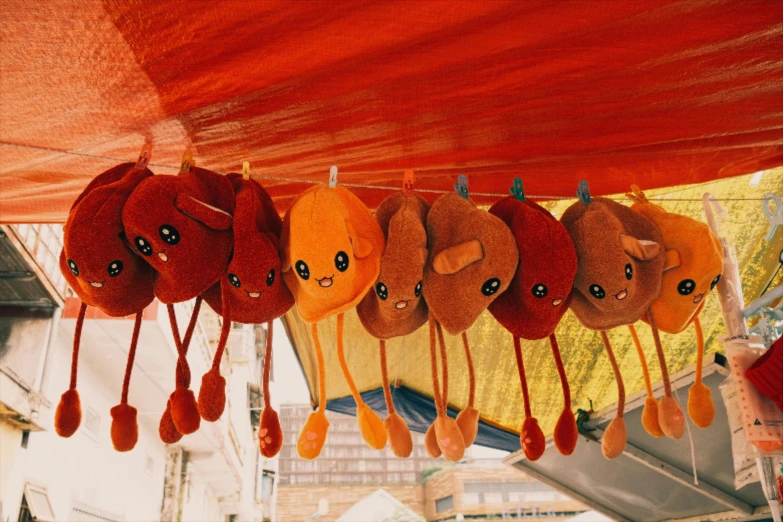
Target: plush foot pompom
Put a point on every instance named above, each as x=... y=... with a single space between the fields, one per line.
x=166 y=429
x=184 y=411
x=701 y=409
x=431 y=443
x=400 y=438
x=124 y=427
x=614 y=439
x=270 y=436
x=372 y=427
x=212 y=396
x=650 y=418
x=467 y=420
x=671 y=418
x=449 y=438
x=532 y=439
x=313 y=436
x=69 y=414
x=566 y=433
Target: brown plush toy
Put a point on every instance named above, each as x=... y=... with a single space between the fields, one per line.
x=534 y=303
x=105 y=273
x=396 y=307
x=694 y=264
x=619 y=270
x=472 y=259
x=181 y=225
x=332 y=249
x=255 y=294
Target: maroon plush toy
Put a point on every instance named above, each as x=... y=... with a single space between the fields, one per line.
x=103 y=270
x=534 y=303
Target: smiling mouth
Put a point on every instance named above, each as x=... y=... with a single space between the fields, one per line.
x=326 y=282
x=556 y=302
x=97 y=284
x=253 y=295
x=622 y=294
x=399 y=305
x=163 y=257
x=697 y=299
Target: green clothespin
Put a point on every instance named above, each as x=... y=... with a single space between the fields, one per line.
x=461 y=186
x=518 y=191
x=583 y=192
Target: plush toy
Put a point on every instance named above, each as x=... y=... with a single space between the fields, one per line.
x=332 y=249
x=181 y=225
x=619 y=270
x=534 y=303
x=766 y=373
x=255 y=292
x=396 y=307
x=104 y=272
x=472 y=260
x=694 y=264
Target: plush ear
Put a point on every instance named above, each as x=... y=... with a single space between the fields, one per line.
x=641 y=249
x=454 y=259
x=361 y=247
x=273 y=238
x=285 y=259
x=207 y=215
x=672 y=260
x=422 y=255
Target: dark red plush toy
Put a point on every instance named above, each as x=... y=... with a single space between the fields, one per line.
x=255 y=294
x=534 y=303
x=181 y=225
x=103 y=270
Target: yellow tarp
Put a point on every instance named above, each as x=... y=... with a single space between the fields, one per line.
x=498 y=395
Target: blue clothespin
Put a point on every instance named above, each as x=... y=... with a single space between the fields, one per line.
x=333 y=176
x=583 y=192
x=461 y=186
x=776 y=219
x=518 y=191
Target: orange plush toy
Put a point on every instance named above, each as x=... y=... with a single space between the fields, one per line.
x=396 y=307
x=181 y=225
x=255 y=293
x=332 y=249
x=694 y=264
x=620 y=265
x=472 y=260
x=105 y=273
x=534 y=303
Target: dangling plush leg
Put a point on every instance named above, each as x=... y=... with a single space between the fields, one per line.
x=615 y=436
x=184 y=409
x=400 y=438
x=270 y=436
x=430 y=439
x=447 y=432
x=650 y=411
x=566 y=433
x=670 y=416
x=700 y=406
x=68 y=415
x=313 y=435
x=212 y=394
x=124 y=426
x=371 y=426
x=468 y=418
x=530 y=437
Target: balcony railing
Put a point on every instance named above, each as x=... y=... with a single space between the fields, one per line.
x=44 y=243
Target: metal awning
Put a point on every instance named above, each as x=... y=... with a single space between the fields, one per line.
x=652 y=480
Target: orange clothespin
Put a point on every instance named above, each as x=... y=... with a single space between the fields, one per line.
x=637 y=194
x=187 y=161
x=408 y=181
x=246 y=170
x=144 y=156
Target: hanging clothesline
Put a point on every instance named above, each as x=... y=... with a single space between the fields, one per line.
x=659 y=197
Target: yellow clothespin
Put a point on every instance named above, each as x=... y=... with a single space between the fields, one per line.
x=144 y=156
x=246 y=170
x=637 y=194
x=187 y=161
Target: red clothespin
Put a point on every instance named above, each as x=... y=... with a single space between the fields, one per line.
x=144 y=156
x=408 y=181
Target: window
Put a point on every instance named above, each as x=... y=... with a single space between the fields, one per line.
x=268 y=482
x=444 y=504
x=25 y=438
x=92 y=423
x=35 y=505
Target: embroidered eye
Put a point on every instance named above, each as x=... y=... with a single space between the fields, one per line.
x=270 y=277
x=143 y=246
x=74 y=268
x=628 y=271
x=490 y=286
x=115 y=267
x=715 y=281
x=341 y=261
x=686 y=287
x=597 y=291
x=417 y=290
x=540 y=290
x=303 y=270
x=234 y=280
x=169 y=234
x=382 y=291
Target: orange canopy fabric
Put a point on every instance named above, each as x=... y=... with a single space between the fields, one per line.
x=655 y=93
